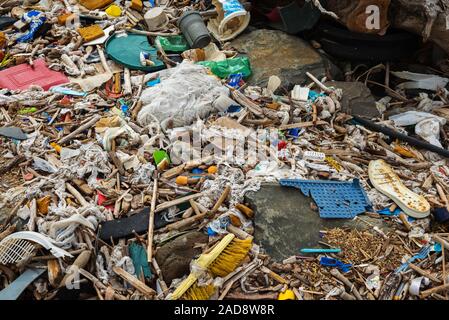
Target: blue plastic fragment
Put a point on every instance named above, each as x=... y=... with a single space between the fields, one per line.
x=422 y=254
x=312 y=250
x=197 y=171
x=153 y=82
x=335 y=199
x=313 y=95
x=335 y=263
x=35 y=19
x=234 y=80
x=234 y=108
x=387 y=212
x=437 y=247
x=68 y=91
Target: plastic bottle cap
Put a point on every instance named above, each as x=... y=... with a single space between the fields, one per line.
x=182 y=180
x=212 y=169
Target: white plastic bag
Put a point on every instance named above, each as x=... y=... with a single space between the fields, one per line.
x=429 y=130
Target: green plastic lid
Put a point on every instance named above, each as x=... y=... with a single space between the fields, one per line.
x=125 y=49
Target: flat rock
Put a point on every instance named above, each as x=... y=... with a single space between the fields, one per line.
x=273 y=52
x=175 y=256
x=285 y=222
x=13 y=132
x=357 y=99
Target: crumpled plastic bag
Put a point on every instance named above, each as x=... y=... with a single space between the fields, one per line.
x=410 y=118
x=427 y=125
x=429 y=130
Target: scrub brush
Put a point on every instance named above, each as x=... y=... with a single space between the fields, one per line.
x=222 y=260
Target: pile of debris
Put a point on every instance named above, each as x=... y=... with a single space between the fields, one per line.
x=129 y=141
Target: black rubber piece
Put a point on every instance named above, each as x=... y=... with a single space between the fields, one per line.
x=342 y=43
x=123 y=228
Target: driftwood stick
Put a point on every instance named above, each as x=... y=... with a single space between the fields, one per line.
x=76 y=194
x=424 y=273
x=194 y=207
x=175 y=202
x=185 y=222
x=443 y=242
x=99 y=284
x=427 y=293
x=136 y=283
x=164 y=286
x=336 y=274
x=118 y=164
x=77 y=131
x=222 y=198
x=244 y=296
x=151 y=222
x=79 y=263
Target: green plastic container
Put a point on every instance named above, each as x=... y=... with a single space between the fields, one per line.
x=175 y=44
x=125 y=50
x=225 y=68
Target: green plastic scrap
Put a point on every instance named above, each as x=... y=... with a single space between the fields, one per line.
x=225 y=68
x=27 y=110
x=139 y=256
x=173 y=43
x=159 y=156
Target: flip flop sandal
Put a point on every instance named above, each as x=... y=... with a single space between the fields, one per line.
x=387 y=182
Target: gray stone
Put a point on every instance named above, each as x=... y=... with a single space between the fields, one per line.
x=273 y=52
x=285 y=222
x=357 y=99
x=175 y=256
x=13 y=132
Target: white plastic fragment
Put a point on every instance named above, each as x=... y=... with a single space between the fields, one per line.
x=421 y=81
x=19 y=246
x=300 y=93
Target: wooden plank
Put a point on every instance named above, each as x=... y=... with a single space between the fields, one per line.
x=136 y=283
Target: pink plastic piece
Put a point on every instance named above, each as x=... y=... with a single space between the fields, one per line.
x=23 y=76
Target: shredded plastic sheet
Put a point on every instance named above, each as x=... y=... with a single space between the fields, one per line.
x=232 y=176
x=184 y=94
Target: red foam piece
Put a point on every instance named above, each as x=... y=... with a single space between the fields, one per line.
x=23 y=76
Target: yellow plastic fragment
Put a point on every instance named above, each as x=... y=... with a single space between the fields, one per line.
x=114 y=11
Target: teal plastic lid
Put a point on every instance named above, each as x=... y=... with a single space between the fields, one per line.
x=125 y=49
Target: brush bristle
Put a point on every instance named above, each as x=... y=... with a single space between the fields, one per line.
x=196 y=292
x=230 y=257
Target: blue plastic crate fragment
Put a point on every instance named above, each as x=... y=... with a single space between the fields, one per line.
x=335 y=199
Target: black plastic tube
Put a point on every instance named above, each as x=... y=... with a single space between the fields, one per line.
x=397 y=135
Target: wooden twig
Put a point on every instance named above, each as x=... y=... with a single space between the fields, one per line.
x=336 y=274
x=136 y=283
x=427 y=293
x=175 y=202
x=222 y=198
x=77 y=131
x=100 y=284
x=151 y=222
x=76 y=194
x=424 y=273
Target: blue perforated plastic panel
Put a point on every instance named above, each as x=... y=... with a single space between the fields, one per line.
x=334 y=199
